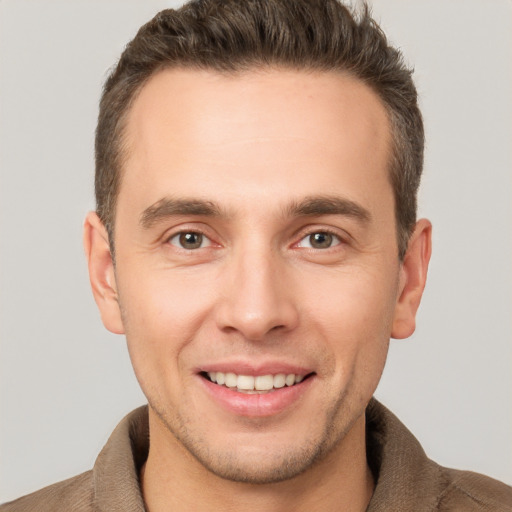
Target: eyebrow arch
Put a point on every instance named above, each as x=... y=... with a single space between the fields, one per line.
x=329 y=205
x=309 y=206
x=168 y=207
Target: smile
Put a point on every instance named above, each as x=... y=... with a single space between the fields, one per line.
x=262 y=394
x=254 y=384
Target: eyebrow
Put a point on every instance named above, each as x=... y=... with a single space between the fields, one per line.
x=168 y=207
x=307 y=207
x=329 y=205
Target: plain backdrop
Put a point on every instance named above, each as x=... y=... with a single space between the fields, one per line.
x=66 y=382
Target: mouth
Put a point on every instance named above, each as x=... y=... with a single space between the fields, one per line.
x=250 y=384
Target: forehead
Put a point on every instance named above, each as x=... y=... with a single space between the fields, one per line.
x=292 y=130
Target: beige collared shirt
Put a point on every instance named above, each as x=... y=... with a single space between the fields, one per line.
x=407 y=481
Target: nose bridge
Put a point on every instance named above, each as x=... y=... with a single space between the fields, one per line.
x=257 y=298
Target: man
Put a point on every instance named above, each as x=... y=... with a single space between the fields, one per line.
x=256 y=240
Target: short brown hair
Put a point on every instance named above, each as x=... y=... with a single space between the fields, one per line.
x=235 y=35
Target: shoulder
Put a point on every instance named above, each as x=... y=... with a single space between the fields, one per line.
x=407 y=480
x=112 y=484
x=470 y=491
x=72 y=495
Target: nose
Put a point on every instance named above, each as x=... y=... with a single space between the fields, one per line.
x=257 y=296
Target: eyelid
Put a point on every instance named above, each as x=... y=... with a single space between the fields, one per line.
x=189 y=228
x=205 y=242
x=307 y=231
x=336 y=241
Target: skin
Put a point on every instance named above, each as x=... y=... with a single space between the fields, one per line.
x=257 y=291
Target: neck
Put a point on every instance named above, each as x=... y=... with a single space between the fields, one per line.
x=173 y=480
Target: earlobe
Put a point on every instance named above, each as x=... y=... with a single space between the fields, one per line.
x=101 y=272
x=413 y=276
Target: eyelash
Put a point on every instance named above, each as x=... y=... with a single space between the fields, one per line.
x=189 y=232
x=337 y=239
x=336 y=236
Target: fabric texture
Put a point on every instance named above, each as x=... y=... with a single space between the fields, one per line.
x=407 y=481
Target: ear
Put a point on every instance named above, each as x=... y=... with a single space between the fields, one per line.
x=413 y=276
x=101 y=273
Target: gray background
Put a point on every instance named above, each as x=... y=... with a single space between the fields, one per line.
x=65 y=381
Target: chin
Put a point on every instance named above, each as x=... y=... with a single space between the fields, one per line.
x=258 y=459
x=265 y=468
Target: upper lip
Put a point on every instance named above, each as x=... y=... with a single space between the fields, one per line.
x=255 y=369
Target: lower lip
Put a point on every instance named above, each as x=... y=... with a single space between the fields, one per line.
x=258 y=404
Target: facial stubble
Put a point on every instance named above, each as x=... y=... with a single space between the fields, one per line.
x=272 y=467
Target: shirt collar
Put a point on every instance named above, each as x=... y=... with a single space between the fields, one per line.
x=405 y=478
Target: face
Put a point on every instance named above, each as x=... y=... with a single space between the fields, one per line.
x=257 y=271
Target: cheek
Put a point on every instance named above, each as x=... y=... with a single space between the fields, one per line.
x=362 y=299
x=353 y=311
x=162 y=312
x=163 y=301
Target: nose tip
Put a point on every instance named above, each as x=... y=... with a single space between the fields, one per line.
x=255 y=326
x=257 y=301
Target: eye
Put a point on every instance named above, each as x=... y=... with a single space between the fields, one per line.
x=319 y=240
x=189 y=240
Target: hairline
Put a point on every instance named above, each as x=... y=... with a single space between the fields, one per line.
x=122 y=149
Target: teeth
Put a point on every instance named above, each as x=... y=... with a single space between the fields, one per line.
x=230 y=380
x=245 y=382
x=291 y=379
x=279 y=380
x=261 y=383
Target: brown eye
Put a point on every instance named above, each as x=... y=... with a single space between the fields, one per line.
x=319 y=240
x=189 y=240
